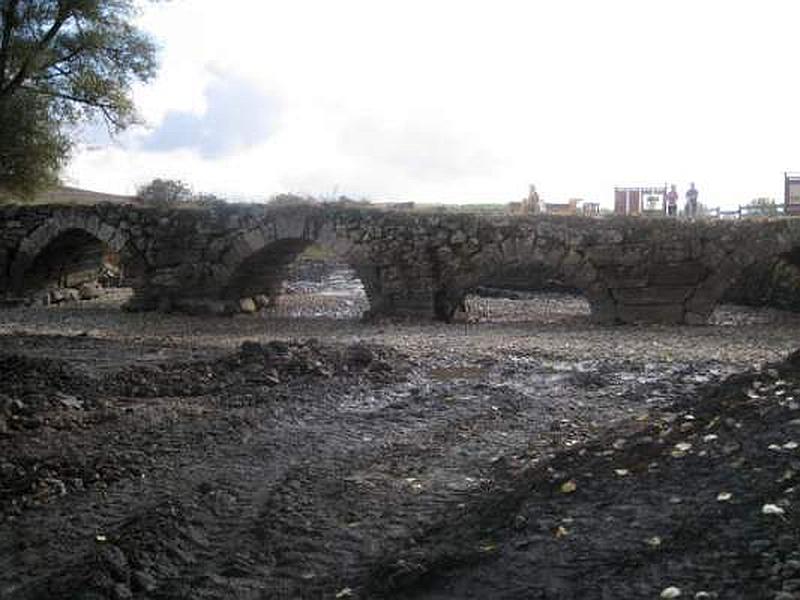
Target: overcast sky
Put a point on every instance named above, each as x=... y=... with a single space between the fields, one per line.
x=462 y=101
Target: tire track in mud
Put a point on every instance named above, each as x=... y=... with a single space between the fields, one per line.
x=80 y=524
x=299 y=496
x=362 y=492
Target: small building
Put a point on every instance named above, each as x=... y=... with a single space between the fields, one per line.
x=590 y=209
x=648 y=201
x=532 y=205
x=627 y=201
x=791 y=195
x=570 y=208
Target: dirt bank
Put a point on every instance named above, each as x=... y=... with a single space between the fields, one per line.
x=156 y=456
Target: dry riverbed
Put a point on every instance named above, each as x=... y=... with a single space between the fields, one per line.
x=526 y=454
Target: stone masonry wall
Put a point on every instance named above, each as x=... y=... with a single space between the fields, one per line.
x=421 y=265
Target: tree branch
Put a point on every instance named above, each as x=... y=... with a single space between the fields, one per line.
x=9 y=18
x=63 y=96
x=69 y=57
x=107 y=109
x=61 y=17
x=53 y=73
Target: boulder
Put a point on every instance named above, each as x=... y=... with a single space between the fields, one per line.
x=90 y=291
x=794 y=358
x=57 y=296
x=247 y=306
x=262 y=301
x=71 y=295
x=359 y=355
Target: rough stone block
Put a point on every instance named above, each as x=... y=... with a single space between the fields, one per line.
x=677 y=274
x=91 y=224
x=255 y=239
x=603 y=312
x=693 y=318
x=623 y=279
x=654 y=313
x=652 y=295
x=673 y=252
x=247 y=306
x=106 y=232
x=604 y=255
x=90 y=291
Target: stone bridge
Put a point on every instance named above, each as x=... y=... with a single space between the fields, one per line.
x=411 y=264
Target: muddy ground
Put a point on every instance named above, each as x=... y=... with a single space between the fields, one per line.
x=529 y=454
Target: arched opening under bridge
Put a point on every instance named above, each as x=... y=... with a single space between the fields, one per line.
x=75 y=265
x=766 y=290
x=531 y=292
x=296 y=278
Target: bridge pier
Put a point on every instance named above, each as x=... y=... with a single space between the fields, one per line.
x=410 y=307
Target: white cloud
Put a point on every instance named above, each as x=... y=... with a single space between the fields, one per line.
x=237 y=115
x=470 y=100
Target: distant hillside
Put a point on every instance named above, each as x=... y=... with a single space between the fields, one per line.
x=71 y=195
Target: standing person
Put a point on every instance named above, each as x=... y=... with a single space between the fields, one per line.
x=672 y=201
x=531 y=203
x=691 y=201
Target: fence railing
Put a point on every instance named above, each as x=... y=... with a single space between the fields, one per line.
x=755 y=210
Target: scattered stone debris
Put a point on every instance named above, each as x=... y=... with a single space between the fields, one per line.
x=737 y=543
x=244 y=457
x=262 y=365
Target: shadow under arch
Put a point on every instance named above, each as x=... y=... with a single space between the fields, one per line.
x=264 y=271
x=522 y=273
x=532 y=293
x=772 y=282
x=68 y=253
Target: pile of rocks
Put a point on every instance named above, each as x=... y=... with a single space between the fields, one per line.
x=254 y=304
x=697 y=501
x=205 y=306
x=30 y=386
x=259 y=366
x=61 y=295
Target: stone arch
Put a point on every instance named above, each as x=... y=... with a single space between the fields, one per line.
x=752 y=246
x=70 y=238
x=528 y=259
x=257 y=260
